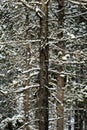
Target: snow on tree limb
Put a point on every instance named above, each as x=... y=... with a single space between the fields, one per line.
x=27 y=5
x=39 y=12
x=3 y=92
x=33 y=69
x=57 y=99
x=25 y=88
x=78 y=2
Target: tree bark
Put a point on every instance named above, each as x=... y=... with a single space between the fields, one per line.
x=60 y=79
x=26 y=83
x=43 y=75
x=26 y=92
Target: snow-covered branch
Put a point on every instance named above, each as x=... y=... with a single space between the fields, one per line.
x=33 y=69
x=3 y=92
x=25 y=88
x=78 y=2
x=57 y=99
x=27 y=5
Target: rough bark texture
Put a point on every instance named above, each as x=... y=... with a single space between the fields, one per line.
x=26 y=92
x=43 y=75
x=60 y=98
x=60 y=79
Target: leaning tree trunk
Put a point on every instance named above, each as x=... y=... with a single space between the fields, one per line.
x=43 y=75
x=60 y=79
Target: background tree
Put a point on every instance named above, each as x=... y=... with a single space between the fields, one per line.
x=35 y=25
x=61 y=78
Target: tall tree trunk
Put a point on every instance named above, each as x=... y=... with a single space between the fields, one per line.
x=26 y=92
x=60 y=79
x=43 y=75
x=27 y=66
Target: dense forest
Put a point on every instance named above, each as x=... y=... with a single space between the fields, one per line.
x=43 y=64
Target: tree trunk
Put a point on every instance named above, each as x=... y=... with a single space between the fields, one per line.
x=43 y=75
x=79 y=114
x=27 y=66
x=60 y=98
x=26 y=92
x=76 y=120
x=60 y=79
